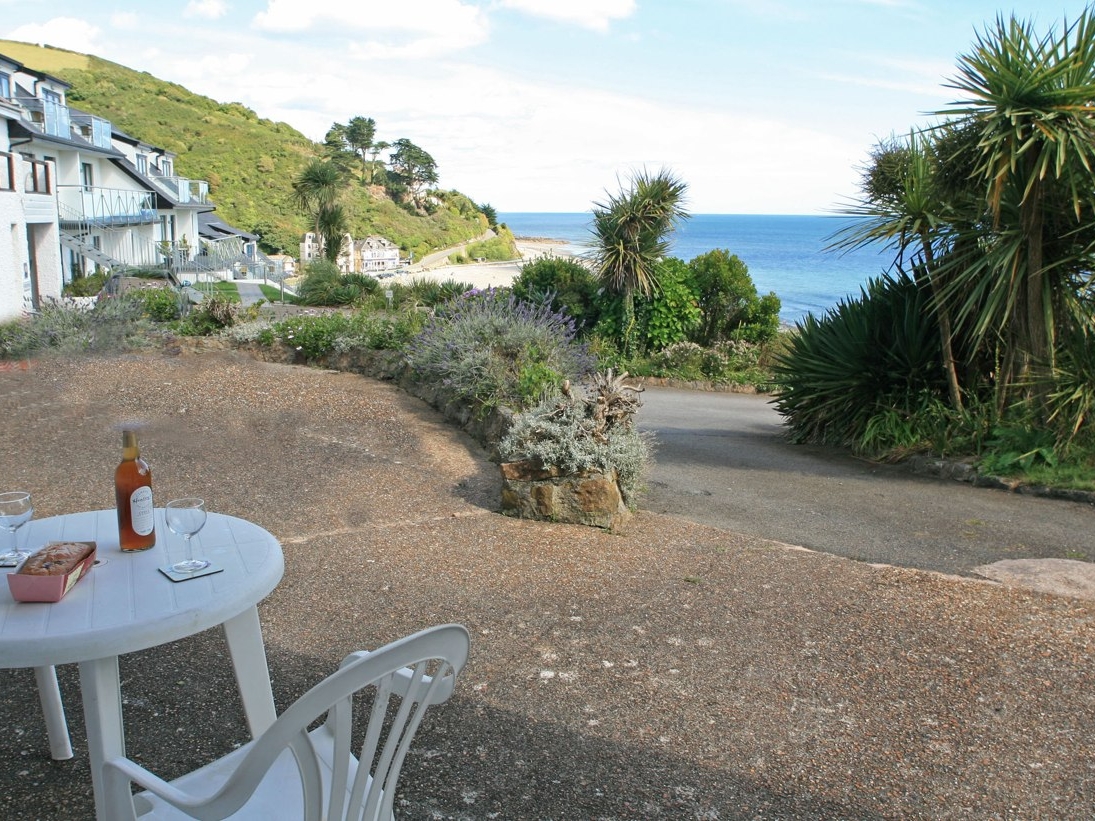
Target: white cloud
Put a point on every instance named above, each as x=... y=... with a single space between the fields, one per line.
x=62 y=32
x=412 y=29
x=453 y=17
x=593 y=14
x=125 y=20
x=205 y=9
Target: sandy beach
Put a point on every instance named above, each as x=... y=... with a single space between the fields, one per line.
x=487 y=274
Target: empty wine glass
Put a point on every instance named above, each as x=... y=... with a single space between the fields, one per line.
x=186 y=517
x=15 y=511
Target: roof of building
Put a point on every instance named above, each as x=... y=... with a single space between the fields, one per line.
x=212 y=227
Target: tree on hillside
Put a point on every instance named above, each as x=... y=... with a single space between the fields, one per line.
x=631 y=231
x=488 y=211
x=375 y=150
x=360 y=132
x=336 y=147
x=414 y=168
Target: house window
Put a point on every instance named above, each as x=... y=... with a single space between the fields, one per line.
x=38 y=178
x=5 y=84
x=87 y=177
x=165 y=166
x=7 y=171
x=56 y=114
x=142 y=163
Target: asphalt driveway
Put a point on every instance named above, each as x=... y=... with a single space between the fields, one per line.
x=723 y=460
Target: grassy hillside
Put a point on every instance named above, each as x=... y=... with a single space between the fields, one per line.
x=249 y=162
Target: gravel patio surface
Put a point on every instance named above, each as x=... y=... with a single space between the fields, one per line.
x=666 y=671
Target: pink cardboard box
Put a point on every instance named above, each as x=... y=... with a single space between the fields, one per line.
x=28 y=587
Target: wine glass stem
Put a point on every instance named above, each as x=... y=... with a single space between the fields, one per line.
x=189 y=551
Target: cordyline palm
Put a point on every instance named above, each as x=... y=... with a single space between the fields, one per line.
x=1032 y=100
x=631 y=234
x=316 y=189
x=331 y=223
x=904 y=208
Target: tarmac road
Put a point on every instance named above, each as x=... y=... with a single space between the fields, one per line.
x=722 y=459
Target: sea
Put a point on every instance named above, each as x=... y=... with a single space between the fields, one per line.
x=784 y=254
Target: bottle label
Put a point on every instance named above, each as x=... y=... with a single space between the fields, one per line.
x=140 y=510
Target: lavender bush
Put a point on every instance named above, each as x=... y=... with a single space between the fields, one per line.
x=492 y=349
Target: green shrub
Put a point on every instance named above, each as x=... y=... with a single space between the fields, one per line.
x=371 y=330
x=160 y=304
x=313 y=337
x=729 y=304
x=1072 y=393
x=431 y=293
x=567 y=285
x=491 y=349
x=866 y=355
x=495 y=249
x=110 y=325
x=928 y=424
x=728 y=362
x=212 y=315
x=671 y=311
x=1017 y=449
x=325 y=285
x=89 y=285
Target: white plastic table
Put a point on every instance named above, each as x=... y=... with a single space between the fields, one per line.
x=125 y=604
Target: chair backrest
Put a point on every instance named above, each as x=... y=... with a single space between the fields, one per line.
x=420 y=670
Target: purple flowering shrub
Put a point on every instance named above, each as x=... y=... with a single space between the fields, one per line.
x=492 y=349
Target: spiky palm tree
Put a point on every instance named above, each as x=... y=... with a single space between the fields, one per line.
x=631 y=233
x=316 y=192
x=904 y=208
x=1032 y=99
x=332 y=227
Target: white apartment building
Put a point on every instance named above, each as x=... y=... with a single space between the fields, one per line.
x=30 y=254
x=80 y=196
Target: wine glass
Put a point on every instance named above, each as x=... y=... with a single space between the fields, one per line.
x=186 y=517
x=15 y=511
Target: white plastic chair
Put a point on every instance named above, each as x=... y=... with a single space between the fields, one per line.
x=289 y=772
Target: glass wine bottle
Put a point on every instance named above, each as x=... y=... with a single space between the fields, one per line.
x=133 y=496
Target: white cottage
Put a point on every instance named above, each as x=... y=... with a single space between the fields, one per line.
x=376 y=254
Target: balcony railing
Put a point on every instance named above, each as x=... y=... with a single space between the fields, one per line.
x=53 y=118
x=94 y=129
x=105 y=207
x=182 y=189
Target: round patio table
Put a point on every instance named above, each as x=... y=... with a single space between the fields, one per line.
x=125 y=604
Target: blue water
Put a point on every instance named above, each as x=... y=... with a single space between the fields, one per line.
x=784 y=254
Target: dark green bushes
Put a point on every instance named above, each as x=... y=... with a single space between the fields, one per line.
x=878 y=353
x=324 y=285
x=569 y=287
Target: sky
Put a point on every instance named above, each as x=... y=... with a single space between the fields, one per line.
x=760 y=106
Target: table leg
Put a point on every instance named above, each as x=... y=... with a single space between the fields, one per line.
x=101 y=689
x=244 y=635
x=53 y=710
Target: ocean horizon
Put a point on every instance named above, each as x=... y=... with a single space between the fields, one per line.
x=785 y=254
